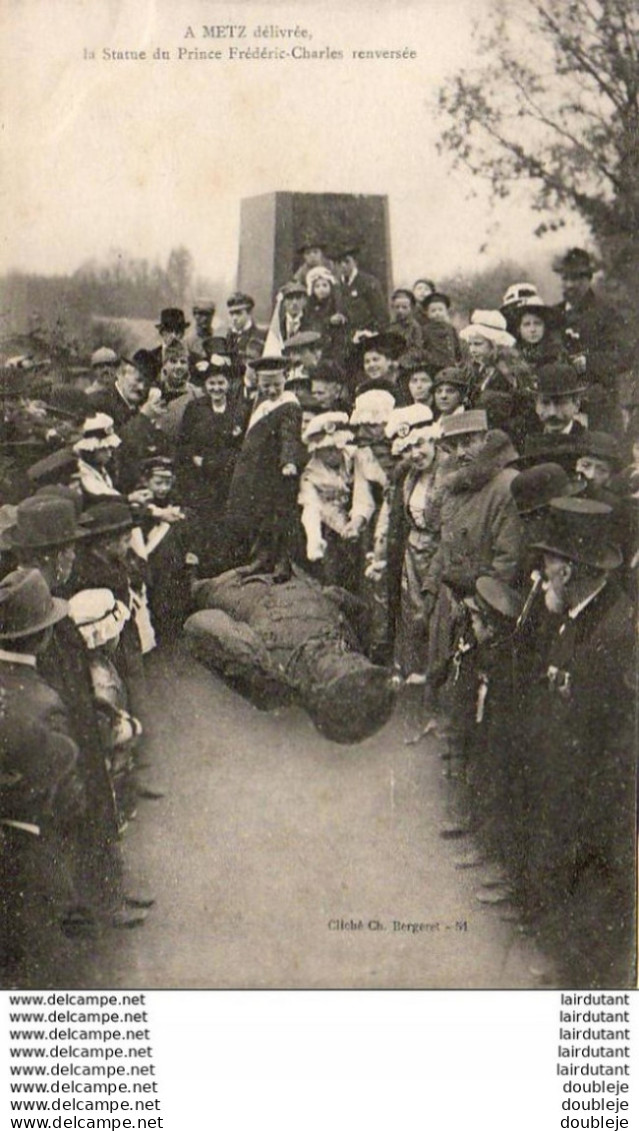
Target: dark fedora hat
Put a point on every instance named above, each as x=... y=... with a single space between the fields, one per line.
x=26 y=605
x=172 y=318
x=533 y=488
x=111 y=517
x=575 y=262
x=579 y=529
x=601 y=445
x=43 y=521
x=559 y=379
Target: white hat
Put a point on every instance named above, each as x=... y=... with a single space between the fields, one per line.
x=373 y=407
x=319 y=273
x=97 y=433
x=401 y=420
x=327 y=430
x=98 y=615
x=489 y=324
x=519 y=292
x=104 y=356
x=415 y=437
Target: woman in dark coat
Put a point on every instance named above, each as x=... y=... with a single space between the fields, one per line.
x=208 y=445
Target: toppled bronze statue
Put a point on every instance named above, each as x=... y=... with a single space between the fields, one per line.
x=288 y=642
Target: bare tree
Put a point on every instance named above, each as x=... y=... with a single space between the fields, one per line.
x=554 y=101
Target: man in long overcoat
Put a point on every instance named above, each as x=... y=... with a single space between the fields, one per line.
x=262 y=503
x=578 y=742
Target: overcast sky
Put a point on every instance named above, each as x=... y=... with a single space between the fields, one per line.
x=145 y=156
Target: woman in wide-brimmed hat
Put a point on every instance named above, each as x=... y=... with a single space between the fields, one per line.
x=537 y=329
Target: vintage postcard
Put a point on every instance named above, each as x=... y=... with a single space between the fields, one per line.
x=259 y=324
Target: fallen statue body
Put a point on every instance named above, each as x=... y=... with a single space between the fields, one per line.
x=277 y=642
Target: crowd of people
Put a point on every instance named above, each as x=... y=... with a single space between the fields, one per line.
x=473 y=489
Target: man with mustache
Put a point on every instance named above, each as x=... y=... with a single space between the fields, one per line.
x=558 y=400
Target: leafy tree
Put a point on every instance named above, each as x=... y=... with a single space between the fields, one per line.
x=554 y=101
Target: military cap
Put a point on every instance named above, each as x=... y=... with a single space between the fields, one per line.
x=464 y=423
x=294 y=287
x=240 y=301
x=451 y=375
x=270 y=364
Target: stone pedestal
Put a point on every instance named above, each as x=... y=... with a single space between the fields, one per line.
x=272 y=226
